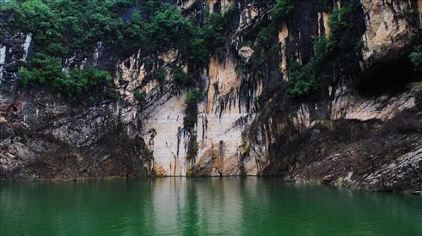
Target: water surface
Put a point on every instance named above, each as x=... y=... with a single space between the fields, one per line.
x=209 y=206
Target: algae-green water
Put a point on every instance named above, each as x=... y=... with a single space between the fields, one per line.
x=203 y=206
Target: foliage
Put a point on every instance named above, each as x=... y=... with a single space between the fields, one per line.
x=43 y=69
x=181 y=78
x=198 y=51
x=160 y=75
x=63 y=29
x=192 y=149
x=265 y=36
x=71 y=85
x=241 y=69
x=322 y=47
x=168 y=29
x=419 y=86
x=191 y=112
x=210 y=39
x=282 y=8
x=134 y=31
x=266 y=40
x=301 y=79
x=193 y=97
x=305 y=79
x=82 y=23
x=264 y=44
x=76 y=25
x=139 y=96
x=77 y=83
x=416 y=57
x=340 y=20
x=190 y=120
x=325 y=4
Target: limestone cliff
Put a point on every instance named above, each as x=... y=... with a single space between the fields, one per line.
x=362 y=127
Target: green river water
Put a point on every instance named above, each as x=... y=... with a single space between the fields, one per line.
x=208 y=206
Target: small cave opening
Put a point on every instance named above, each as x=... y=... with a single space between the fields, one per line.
x=387 y=77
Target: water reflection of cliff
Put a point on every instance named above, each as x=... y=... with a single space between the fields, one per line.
x=201 y=206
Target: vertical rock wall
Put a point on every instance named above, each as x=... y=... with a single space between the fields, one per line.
x=222 y=119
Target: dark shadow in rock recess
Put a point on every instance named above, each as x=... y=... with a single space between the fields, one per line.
x=387 y=77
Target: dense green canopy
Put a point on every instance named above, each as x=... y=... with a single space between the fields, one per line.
x=63 y=29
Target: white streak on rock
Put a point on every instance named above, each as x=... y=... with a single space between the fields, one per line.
x=26 y=45
x=98 y=49
x=2 y=60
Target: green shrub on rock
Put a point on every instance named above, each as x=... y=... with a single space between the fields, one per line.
x=193 y=96
x=340 y=20
x=282 y=8
x=139 y=96
x=181 y=78
x=70 y=85
x=301 y=79
x=43 y=69
x=160 y=75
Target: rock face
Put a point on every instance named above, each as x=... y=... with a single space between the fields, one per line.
x=343 y=138
x=43 y=137
x=367 y=154
x=385 y=26
x=223 y=117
